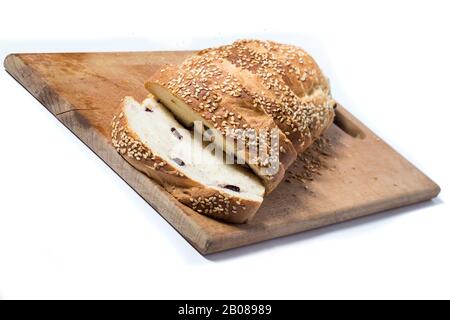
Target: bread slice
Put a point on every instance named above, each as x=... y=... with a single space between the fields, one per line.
x=202 y=90
x=286 y=82
x=149 y=137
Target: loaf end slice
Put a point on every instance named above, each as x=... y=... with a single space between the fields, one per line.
x=154 y=142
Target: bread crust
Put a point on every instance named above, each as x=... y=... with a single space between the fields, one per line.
x=288 y=83
x=200 y=198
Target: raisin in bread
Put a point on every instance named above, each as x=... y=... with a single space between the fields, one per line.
x=149 y=137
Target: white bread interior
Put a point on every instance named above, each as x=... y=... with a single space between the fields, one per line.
x=160 y=132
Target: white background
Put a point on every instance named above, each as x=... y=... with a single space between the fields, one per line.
x=71 y=228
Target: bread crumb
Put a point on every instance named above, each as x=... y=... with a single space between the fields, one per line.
x=310 y=164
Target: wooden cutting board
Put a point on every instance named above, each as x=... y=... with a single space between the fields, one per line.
x=359 y=175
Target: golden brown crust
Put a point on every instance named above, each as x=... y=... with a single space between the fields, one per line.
x=288 y=83
x=200 y=198
x=203 y=83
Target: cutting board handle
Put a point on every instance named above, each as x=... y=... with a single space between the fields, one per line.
x=346 y=124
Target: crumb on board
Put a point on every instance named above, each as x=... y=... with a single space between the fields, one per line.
x=310 y=164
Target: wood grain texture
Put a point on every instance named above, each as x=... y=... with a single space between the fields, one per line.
x=363 y=175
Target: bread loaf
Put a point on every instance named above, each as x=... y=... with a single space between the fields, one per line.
x=153 y=141
x=274 y=93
